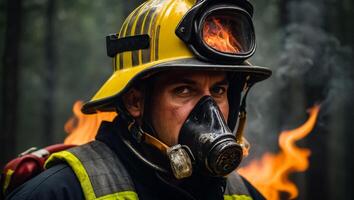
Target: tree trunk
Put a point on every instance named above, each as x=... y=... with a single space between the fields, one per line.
x=10 y=80
x=49 y=74
x=341 y=139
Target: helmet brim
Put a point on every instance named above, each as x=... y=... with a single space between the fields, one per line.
x=122 y=80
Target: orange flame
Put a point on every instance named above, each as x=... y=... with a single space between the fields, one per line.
x=83 y=128
x=270 y=173
x=220 y=37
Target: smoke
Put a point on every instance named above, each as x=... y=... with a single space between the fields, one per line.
x=312 y=67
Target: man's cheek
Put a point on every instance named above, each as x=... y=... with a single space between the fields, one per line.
x=224 y=108
x=176 y=117
x=180 y=113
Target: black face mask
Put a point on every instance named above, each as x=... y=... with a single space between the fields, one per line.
x=208 y=141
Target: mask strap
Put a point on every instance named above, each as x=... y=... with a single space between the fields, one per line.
x=180 y=156
x=242 y=122
x=141 y=136
x=138 y=136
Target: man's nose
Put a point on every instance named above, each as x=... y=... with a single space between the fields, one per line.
x=206 y=92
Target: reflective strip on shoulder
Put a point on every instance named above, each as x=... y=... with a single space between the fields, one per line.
x=237 y=197
x=127 y=195
x=99 y=171
x=7 y=180
x=78 y=169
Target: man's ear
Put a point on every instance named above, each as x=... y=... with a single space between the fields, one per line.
x=134 y=102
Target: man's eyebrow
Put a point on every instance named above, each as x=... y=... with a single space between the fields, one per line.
x=192 y=82
x=222 y=82
x=181 y=80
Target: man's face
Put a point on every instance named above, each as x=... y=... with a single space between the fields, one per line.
x=175 y=93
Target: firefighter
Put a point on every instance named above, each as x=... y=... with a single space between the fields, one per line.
x=179 y=87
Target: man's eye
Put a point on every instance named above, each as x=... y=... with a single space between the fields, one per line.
x=218 y=90
x=183 y=90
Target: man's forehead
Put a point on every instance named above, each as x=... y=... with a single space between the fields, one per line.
x=173 y=76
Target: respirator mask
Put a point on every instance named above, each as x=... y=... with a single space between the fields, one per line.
x=206 y=144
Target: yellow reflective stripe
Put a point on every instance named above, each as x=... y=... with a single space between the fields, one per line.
x=78 y=169
x=120 y=55
x=237 y=197
x=7 y=180
x=135 y=54
x=157 y=28
x=126 y=195
x=142 y=32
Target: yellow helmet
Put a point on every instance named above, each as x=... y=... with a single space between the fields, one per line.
x=158 y=35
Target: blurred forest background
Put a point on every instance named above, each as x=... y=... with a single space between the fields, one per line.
x=53 y=54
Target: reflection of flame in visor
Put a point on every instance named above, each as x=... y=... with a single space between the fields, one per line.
x=218 y=34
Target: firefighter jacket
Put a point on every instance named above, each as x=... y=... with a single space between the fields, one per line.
x=105 y=169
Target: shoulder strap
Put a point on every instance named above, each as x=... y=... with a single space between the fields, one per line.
x=99 y=171
x=236 y=188
x=26 y=166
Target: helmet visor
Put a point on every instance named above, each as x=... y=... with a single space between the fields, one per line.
x=228 y=32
